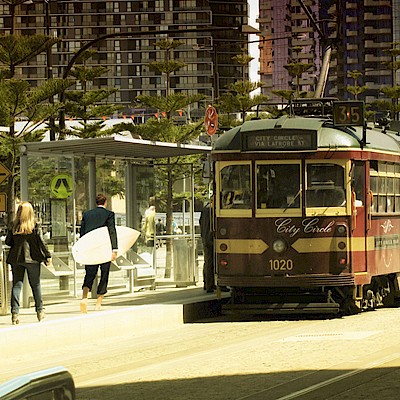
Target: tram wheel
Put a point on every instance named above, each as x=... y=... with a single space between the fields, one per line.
x=349 y=307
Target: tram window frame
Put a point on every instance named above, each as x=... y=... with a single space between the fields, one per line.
x=385 y=185
x=342 y=209
x=222 y=191
x=287 y=209
x=358 y=182
x=397 y=188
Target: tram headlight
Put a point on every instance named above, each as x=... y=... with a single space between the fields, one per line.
x=223 y=247
x=279 y=246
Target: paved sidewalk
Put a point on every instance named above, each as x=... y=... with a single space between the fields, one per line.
x=138 y=313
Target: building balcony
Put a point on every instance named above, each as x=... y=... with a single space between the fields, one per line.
x=369 y=44
x=372 y=31
x=352 y=33
x=375 y=3
x=374 y=17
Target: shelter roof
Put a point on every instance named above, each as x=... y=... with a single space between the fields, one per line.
x=116 y=147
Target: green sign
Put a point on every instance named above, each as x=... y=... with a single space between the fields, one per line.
x=61 y=186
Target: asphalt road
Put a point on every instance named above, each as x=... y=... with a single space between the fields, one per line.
x=356 y=357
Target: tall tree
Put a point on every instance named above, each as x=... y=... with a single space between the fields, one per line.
x=88 y=105
x=393 y=92
x=355 y=89
x=163 y=128
x=19 y=100
x=239 y=99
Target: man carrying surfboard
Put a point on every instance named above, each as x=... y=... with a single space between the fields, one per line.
x=93 y=219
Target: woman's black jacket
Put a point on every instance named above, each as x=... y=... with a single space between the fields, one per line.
x=26 y=248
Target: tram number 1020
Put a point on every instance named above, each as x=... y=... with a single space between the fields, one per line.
x=280 y=265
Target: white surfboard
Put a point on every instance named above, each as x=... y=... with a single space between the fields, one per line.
x=95 y=246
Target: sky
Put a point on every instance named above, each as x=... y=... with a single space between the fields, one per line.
x=253 y=47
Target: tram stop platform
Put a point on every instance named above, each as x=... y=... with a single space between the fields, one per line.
x=138 y=313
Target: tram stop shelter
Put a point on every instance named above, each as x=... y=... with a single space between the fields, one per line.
x=60 y=177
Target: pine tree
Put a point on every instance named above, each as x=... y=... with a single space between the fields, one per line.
x=20 y=100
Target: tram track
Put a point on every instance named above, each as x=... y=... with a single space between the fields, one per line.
x=234 y=360
x=296 y=380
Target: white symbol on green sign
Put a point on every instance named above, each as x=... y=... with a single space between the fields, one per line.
x=61 y=186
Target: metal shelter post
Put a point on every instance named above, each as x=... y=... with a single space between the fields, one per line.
x=92 y=204
x=26 y=290
x=129 y=195
x=130 y=200
x=92 y=182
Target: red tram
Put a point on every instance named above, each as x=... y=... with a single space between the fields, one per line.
x=307 y=214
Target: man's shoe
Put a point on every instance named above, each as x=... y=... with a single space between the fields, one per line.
x=14 y=319
x=40 y=315
x=83 y=306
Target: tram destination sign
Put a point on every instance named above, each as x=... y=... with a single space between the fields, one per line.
x=279 y=140
x=348 y=113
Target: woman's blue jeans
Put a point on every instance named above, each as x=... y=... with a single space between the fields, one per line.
x=18 y=272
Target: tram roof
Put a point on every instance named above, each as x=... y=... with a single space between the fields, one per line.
x=328 y=135
x=117 y=147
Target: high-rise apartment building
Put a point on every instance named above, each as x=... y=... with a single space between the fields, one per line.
x=287 y=36
x=360 y=32
x=207 y=53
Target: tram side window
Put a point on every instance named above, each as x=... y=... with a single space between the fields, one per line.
x=374 y=184
x=235 y=187
x=325 y=185
x=278 y=186
x=385 y=185
x=397 y=188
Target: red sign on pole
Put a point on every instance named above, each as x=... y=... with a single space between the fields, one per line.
x=211 y=120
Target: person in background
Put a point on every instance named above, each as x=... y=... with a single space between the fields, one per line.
x=150 y=223
x=27 y=252
x=160 y=228
x=93 y=219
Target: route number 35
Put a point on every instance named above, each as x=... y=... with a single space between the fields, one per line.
x=348 y=113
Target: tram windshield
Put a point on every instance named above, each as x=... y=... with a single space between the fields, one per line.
x=235 y=187
x=278 y=186
x=325 y=185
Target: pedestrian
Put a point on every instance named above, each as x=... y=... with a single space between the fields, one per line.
x=27 y=252
x=150 y=223
x=208 y=249
x=160 y=228
x=93 y=219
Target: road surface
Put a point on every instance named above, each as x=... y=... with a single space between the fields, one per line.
x=355 y=357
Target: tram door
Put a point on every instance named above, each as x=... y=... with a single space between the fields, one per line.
x=359 y=218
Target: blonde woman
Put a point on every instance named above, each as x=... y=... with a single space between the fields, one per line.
x=27 y=251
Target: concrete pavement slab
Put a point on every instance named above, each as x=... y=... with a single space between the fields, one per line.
x=138 y=313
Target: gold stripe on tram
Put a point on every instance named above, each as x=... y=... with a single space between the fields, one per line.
x=241 y=246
